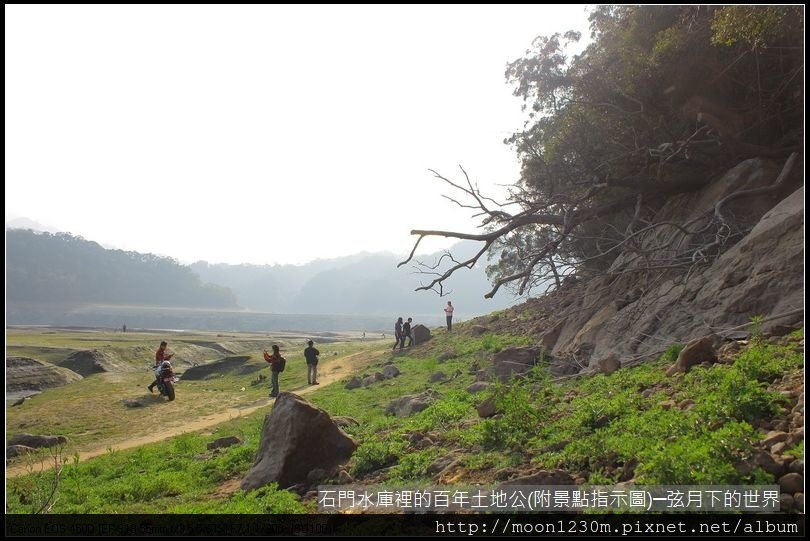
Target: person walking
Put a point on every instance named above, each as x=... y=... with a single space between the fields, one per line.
x=160 y=356
x=398 y=333
x=406 y=333
x=277 y=363
x=448 y=311
x=311 y=355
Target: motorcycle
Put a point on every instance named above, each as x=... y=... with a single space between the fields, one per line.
x=164 y=375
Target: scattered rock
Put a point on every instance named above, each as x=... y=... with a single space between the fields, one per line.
x=477 y=387
x=390 y=371
x=667 y=404
x=768 y=463
x=791 y=482
x=226 y=441
x=697 y=351
x=777 y=448
x=543 y=477
x=343 y=421
x=686 y=404
x=478 y=330
x=38 y=442
x=775 y=436
x=446 y=356
x=424 y=443
x=628 y=470
x=514 y=361
x=437 y=377
x=344 y=478
x=316 y=476
x=405 y=406
x=440 y=464
x=487 y=408
x=608 y=365
x=18 y=450
x=354 y=383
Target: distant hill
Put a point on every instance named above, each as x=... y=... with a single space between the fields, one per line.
x=361 y=284
x=61 y=268
x=27 y=223
x=61 y=279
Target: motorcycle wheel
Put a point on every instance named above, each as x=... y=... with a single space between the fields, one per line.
x=169 y=390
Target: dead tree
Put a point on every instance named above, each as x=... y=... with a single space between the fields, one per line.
x=537 y=235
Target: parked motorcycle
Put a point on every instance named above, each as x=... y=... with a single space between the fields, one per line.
x=164 y=375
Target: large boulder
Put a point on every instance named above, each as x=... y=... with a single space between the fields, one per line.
x=514 y=361
x=296 y=438
x=421 y=334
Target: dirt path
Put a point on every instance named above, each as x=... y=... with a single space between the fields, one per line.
x=340 y=368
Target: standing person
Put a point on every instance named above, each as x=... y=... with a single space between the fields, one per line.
x=277 y=363
x=311 y=355
x=449 y=312
x=398 y=333
x=406 y=333
x=160 y=356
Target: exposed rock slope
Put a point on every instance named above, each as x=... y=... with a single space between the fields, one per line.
x=633 y=313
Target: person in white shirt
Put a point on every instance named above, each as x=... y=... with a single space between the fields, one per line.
x=449 y=312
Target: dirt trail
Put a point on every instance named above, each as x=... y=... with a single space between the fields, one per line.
x=339 y=369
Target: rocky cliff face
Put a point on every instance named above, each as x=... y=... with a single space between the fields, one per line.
x=634 y=312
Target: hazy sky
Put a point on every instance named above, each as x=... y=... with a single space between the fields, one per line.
x=260 y=134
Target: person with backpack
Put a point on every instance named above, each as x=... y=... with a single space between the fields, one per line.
x=311 y=355
x=277 y=365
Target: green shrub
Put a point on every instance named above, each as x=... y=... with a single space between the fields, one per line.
x=372 y=455
x=700 y=459
x=671 y=354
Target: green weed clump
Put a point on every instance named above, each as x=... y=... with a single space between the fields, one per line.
x=639 y=423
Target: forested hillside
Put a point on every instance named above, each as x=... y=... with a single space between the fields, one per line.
x=46 y=270
x=61 y=268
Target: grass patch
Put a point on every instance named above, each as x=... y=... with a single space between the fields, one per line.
x=695 y=428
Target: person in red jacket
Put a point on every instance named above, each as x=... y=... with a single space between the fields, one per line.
x=277 y=363
x=160 y=356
